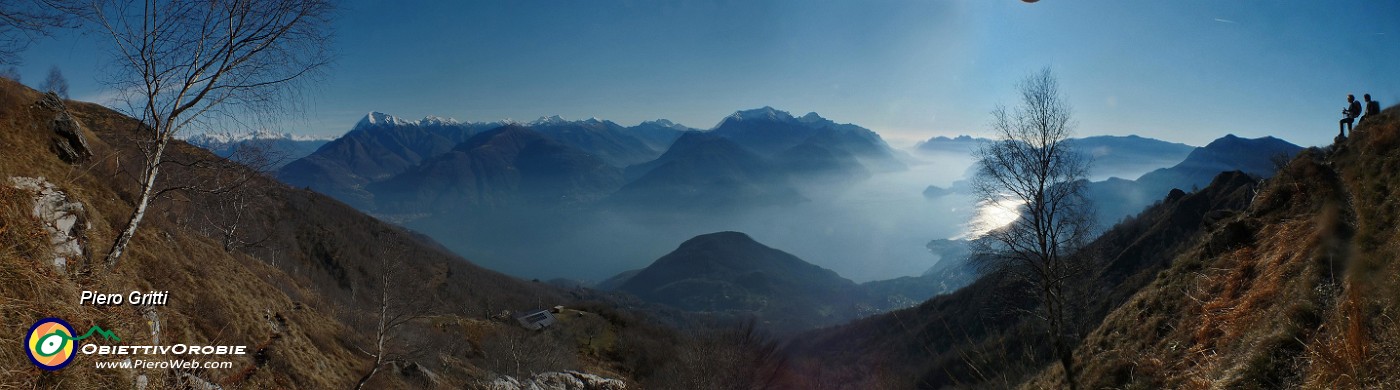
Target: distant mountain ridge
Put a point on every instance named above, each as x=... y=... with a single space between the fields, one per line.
x=1259 y=157
x=763 y=149
x=557 y=179
x=1111 y=156
x=503 y=166
x=702 y=170
x=378 y=147
x=1117 y=198
x=276 y=148
x=929 y=345
x=607 y=140
x=770 y=132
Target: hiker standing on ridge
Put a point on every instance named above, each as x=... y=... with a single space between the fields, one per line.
x=1373 y=108
x=1349 y=115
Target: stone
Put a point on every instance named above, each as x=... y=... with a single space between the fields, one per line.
x=63 y=219
x=562 y=380
x=70 y=144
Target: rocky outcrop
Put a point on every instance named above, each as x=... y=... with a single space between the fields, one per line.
x=65 y=220
x=70 y=144
x=566 y=380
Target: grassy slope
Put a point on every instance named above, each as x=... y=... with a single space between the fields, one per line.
x=300 y=296
x=979 y=336
x=1301 y=291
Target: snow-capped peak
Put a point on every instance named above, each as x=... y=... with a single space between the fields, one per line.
x=376 y=118
x=765 y=113
x=550 y=120
x=431 y=120
x=228 y=137
x=665 y=123
x=812 y=117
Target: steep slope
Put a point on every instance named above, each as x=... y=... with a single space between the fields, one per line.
x=811 y=158
x=298 y=278
x=1259 y=156
x=508 y=166
x=379 y=146
x=730 y=274
x=981 y=335
x=769 y=132
x=1295 y=293
x=1116 y=198
x=702 y=171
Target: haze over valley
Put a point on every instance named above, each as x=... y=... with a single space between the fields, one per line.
x=836 y=195
x=778 y=194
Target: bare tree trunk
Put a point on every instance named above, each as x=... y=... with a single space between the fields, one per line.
x=192 y=60
x=148 y=184
x=1032 y=164
x=365 y=379
x=1067 y=363
x=382 y=330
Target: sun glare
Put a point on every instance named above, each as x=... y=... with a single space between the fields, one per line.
x=992 y=215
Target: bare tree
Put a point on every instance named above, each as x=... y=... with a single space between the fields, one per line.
x=24 y=21
x=741 y=357
x=522 y=353
x=197 y=63
x=403 y=299
x=225 y=180
x=1030 y=169
x=55 y=83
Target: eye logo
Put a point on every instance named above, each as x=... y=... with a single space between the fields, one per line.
x=50 y=344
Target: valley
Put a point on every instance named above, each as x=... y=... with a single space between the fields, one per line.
x=715 y=195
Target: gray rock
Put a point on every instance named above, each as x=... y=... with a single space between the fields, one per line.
x=564 y=380
x=71 y=145
x=64 y=220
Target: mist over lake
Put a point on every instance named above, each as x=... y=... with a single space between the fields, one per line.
x=864 y=229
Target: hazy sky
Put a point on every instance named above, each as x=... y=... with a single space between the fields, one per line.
x=1187 y=71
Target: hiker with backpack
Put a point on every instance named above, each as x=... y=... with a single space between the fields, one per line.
x=1373 y=108
x=1349 y=115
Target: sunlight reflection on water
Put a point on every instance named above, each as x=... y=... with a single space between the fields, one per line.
x=990 y=216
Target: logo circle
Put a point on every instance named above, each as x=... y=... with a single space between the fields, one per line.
x=50 y=344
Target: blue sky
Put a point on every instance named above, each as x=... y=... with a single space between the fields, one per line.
x=1186 y=71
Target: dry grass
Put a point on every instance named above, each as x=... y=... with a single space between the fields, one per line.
x=216 y=296
x=1245 y=307
x=1308 y=299
x=303 y=299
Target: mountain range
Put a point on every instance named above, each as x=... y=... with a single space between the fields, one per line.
x=1260 y=157
x=1115 y=199
x=272 y=150
x=386 y=164
x=946 y=340
x=508 y=165
x=704 y=170
x=481 y=187
x=1111 y=156
x=1242 y=283
x=378 y=147
x=531 y=194
x=288 y=273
